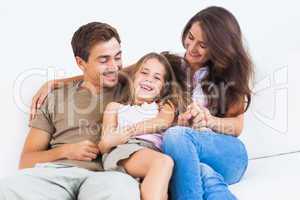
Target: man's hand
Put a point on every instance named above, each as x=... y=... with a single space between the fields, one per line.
x=41 y=95
x=114 y=138
x=36 y=150
x=84 y=151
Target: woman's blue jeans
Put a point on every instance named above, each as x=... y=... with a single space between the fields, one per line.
x=205 y=163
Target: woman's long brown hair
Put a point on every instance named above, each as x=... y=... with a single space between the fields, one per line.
x=230 y=66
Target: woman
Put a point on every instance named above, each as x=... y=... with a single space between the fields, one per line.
x=205 y=148
x=207 y=160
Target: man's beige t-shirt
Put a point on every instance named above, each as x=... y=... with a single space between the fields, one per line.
x=73 y=114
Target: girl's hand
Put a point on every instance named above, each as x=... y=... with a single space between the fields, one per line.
x=41 y=95
x=115 y=138
x=184 y=118
x=201 y=116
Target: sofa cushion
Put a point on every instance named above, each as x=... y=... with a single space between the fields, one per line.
x=274 y=178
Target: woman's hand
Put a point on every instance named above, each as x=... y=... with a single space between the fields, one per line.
x=196 y=116
x=41 y=95
x=114 y=138
x=201 y=116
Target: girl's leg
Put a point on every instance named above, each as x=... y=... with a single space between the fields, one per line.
x=225 y=154
x=155 y=168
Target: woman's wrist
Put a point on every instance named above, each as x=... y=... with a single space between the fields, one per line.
x=213 y=122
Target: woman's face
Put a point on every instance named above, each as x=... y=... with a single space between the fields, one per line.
x=196 y=48
x=149 y=80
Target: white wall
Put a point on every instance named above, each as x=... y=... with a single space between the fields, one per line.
x=36 y=35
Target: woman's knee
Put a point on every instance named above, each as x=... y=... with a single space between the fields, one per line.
x=239 y=167
x=173 y=136
x=175 y=142
x=176 y=130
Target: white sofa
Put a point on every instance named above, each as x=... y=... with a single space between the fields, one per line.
x=272 y=137
x=270 y=133
x=274 y=178
x=37 y=35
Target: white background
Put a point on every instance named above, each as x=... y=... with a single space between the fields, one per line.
x=35 y=35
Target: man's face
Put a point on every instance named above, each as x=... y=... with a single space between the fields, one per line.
x=103 y=64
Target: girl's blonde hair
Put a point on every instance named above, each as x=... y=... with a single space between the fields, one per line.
x=172 y=92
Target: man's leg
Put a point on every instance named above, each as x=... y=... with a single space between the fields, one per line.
x=109 y=186
x=48 y=181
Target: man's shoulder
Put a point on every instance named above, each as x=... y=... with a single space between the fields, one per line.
x=58 y=95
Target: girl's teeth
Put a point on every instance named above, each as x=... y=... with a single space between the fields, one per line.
x=146 y=88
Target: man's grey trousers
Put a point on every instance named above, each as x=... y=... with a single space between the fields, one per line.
x=56 y=181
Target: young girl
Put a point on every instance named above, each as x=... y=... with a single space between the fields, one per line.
x=138 y=154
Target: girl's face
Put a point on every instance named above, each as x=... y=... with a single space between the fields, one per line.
x=149 y=80
x=196 y=48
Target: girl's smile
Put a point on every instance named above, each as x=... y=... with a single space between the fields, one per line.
x=149 y=80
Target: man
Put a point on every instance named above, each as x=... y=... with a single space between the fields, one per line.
x=60 y=158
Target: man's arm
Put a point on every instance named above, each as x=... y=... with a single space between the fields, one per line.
x=61 y=82
x=39 y=98
x=42 y=93
x=36 y=150
x=129 y=69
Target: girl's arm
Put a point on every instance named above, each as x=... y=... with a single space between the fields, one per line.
x=110 y=135
x=109 y=124
x=164 y=120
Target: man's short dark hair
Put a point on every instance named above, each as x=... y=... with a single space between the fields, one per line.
x=90 y=34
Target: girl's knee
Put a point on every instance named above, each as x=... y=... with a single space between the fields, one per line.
x=165 y=161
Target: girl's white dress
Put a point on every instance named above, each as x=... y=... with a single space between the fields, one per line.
x=129 y=115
